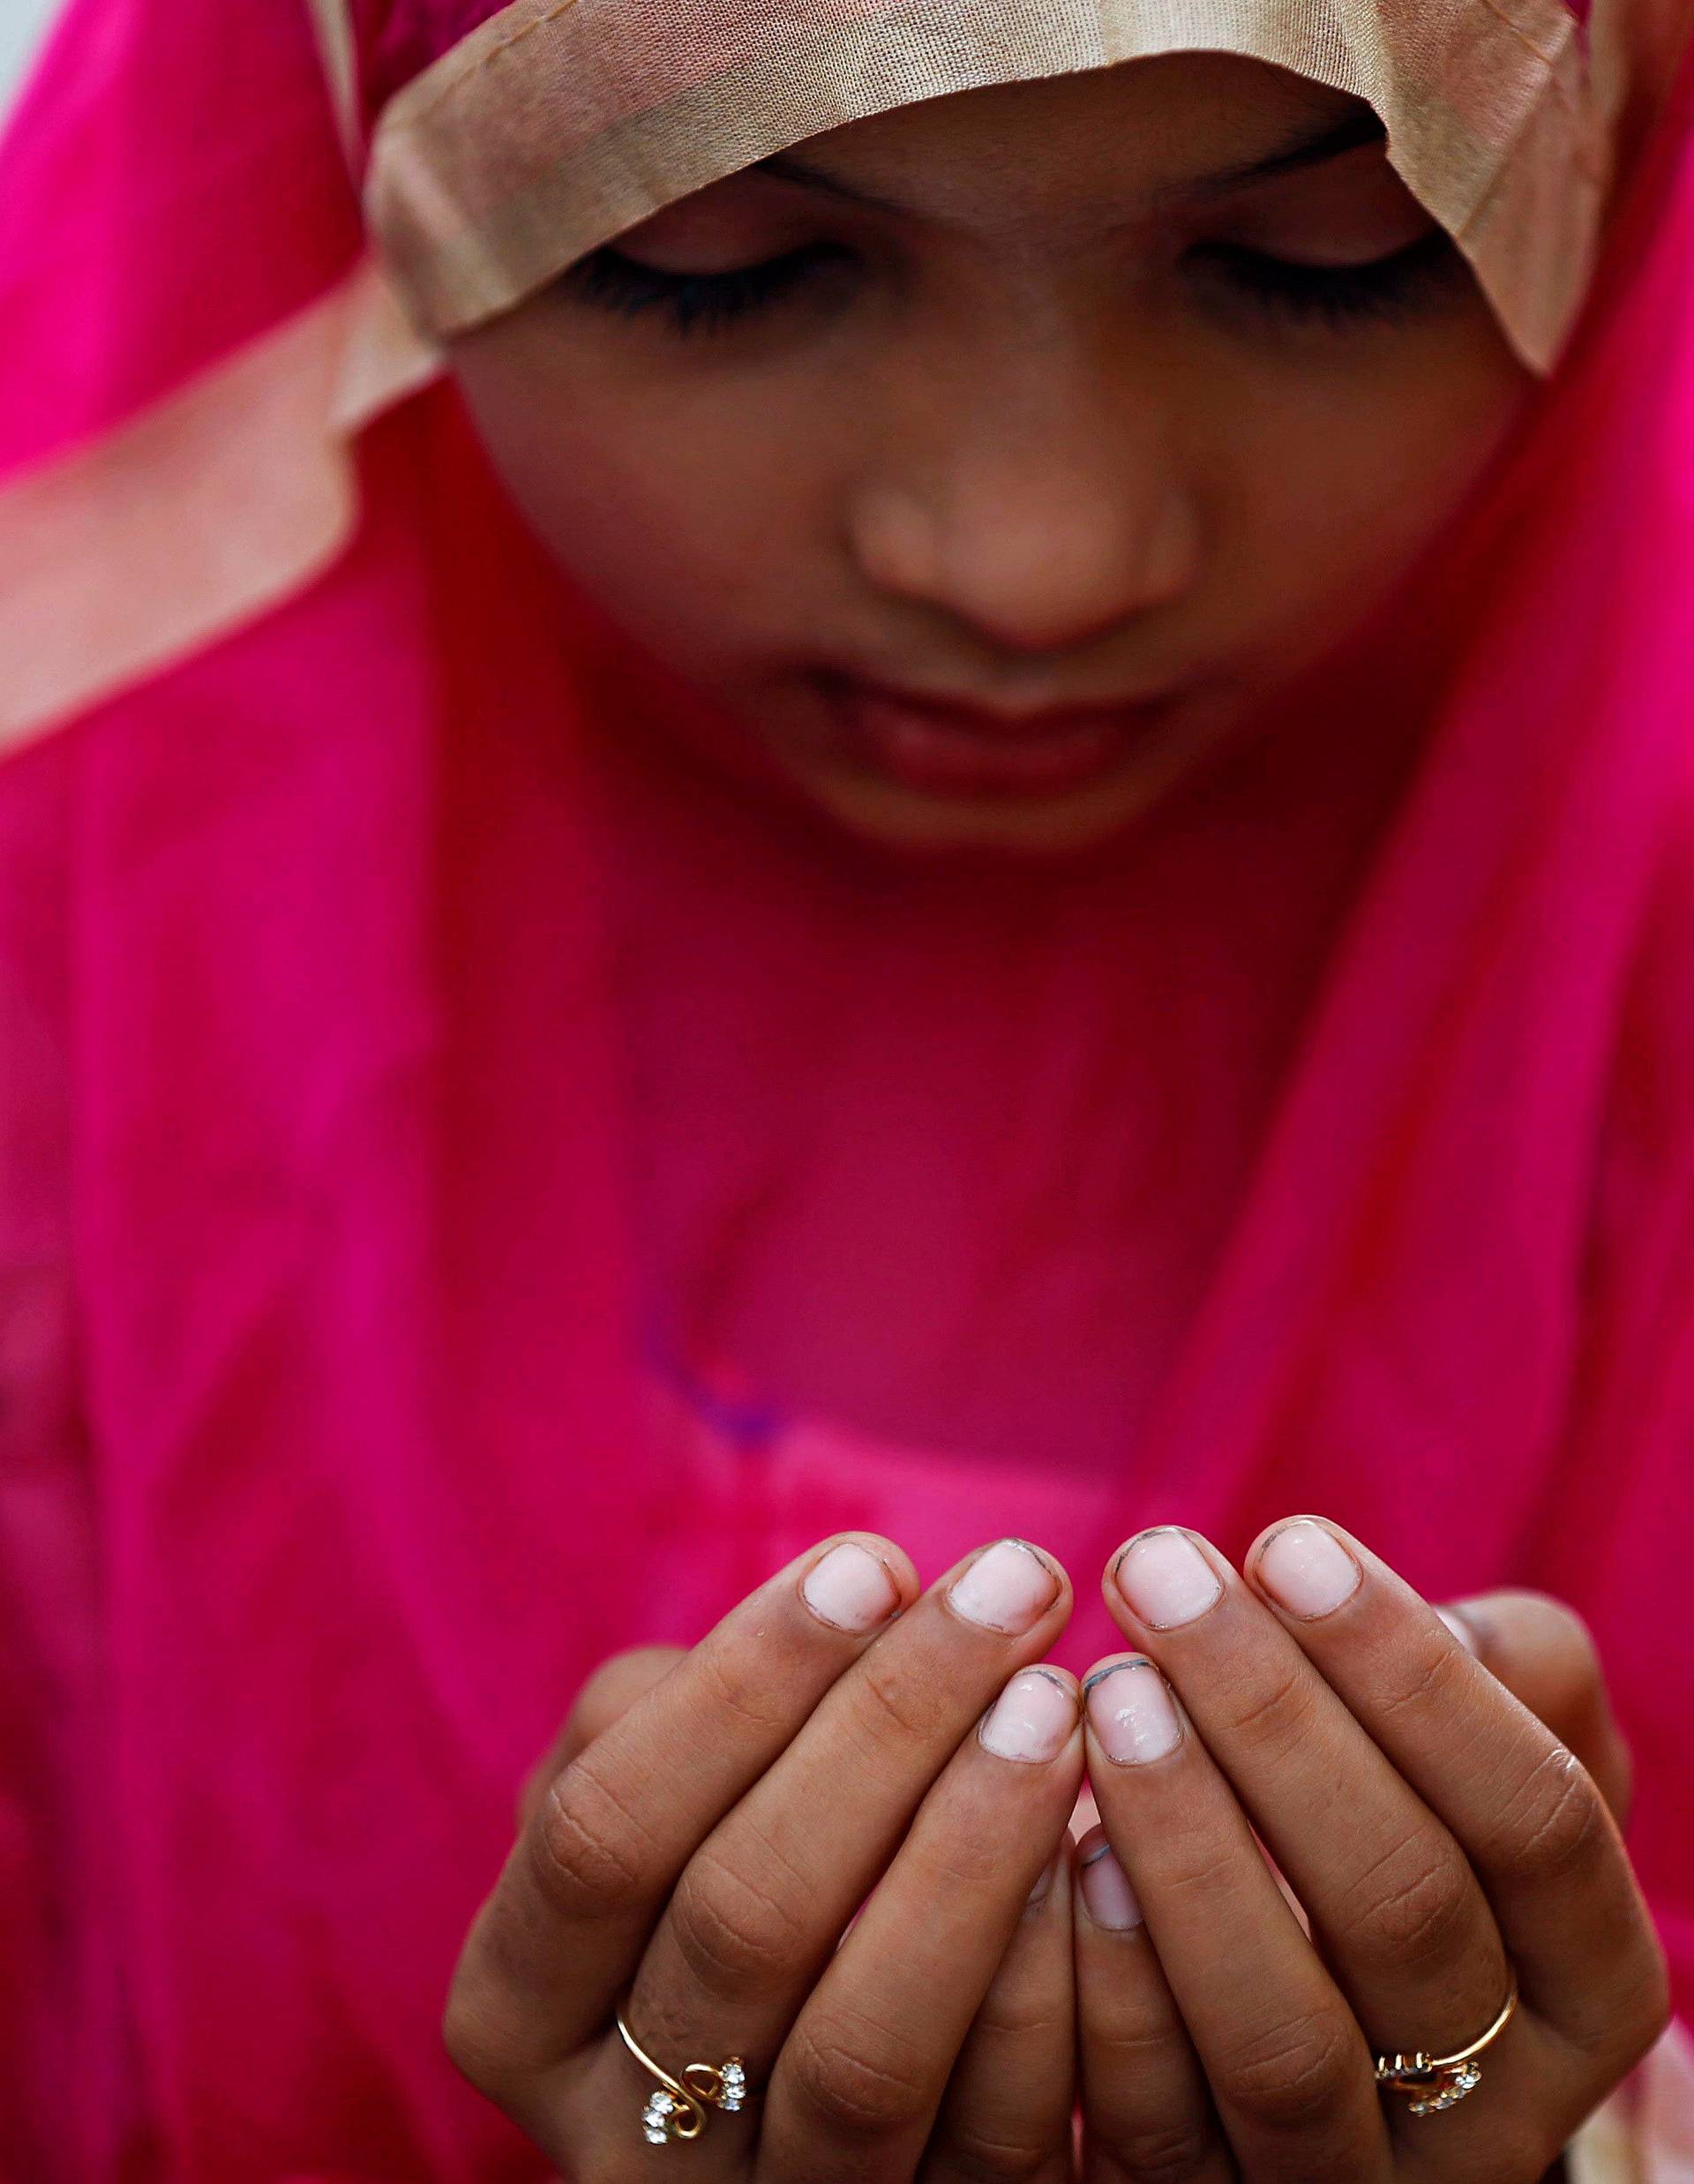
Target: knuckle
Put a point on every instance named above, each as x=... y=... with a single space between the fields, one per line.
x=1557 y=1826
x=1024 y=2021
x=1655 y=2001
x=889 y=1710
x=1208 y=1869
x=735 y=1933
x=1296 y=2076
x=475 y=2042
x=1277 y=1709
x=1646 y=2008
x=1414 y=1907
x=1166 y=2153
x=1426 y=1683
x=738 y=1689
x=585 y=1846
x=1000 y=2151
x=1622 y=2007
x=858 y=2080
x=1134 y=2054
x=957 y=1860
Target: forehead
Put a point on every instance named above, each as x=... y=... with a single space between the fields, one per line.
x=1082 y=147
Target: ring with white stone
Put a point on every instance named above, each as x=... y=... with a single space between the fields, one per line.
x=676 y=2107
x=1432 y=2082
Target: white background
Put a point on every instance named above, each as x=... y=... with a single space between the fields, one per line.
x=22 y=24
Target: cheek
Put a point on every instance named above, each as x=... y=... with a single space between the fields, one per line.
x=688 y=522
x=1344 y=482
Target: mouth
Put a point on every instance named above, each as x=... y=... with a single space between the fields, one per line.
x=946 y=748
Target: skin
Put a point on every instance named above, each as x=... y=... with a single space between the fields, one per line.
x=706 y=1851
x=1349 y=1741
x=1161 y=485
x=1157 y=485
x=696 y=1847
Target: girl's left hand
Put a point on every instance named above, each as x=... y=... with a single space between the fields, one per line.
x=1437 y=1834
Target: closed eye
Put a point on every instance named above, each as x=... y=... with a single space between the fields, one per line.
x=1291 y=288
x=1378 y=288
x=694 y=301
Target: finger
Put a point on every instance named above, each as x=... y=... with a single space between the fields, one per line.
x=613 y=1688
x=1526 y=1812
x=761 y=1907
x=1392 y=1902
x=1544 y=1655
x=1290 y=2074
x=1147 y=2112
x=856 y=2088
x=1007 y=2110
x=558 y=1935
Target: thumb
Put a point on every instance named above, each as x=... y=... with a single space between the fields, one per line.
x=1545 y=1655
x=610 y=1691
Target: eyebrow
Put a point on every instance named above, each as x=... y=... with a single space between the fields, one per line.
x=788 y=168
x=1310 y=148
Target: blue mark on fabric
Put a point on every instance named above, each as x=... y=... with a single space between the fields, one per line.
x=746 y=1424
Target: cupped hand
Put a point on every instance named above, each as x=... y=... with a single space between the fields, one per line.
x=709 y=1829
x=1439 y=1838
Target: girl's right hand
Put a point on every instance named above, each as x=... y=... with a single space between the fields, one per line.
x=698 y=1862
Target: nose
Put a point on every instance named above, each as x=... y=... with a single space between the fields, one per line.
x=1044 y=510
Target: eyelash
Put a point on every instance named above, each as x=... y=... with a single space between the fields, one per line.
x=1336 y=295
x=694 y=302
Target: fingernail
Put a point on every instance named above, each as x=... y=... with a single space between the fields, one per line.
x=1132 y=1713
x=1461 y=1630
x=1308 y=1569
x=1032 y=1718
x=850 y=1588
x=1167 y=1580
x=1007 y=1588
x=1111 y=1903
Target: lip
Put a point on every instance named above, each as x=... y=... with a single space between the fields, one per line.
x=959 y=748
x=1001 y=719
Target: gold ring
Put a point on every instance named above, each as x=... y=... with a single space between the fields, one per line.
x=676 y=2107
x=1435 y=2082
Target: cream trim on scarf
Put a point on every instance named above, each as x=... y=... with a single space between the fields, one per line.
x=558 y=123
x=339 y=47
x=214 y=503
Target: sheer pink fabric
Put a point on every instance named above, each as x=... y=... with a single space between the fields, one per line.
x=348 y=993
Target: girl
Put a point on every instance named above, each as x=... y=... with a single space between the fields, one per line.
x=896 y=794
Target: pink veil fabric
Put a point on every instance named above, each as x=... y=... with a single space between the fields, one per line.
x=326 y=1463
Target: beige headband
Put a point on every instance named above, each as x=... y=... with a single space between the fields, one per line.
x=559 y=124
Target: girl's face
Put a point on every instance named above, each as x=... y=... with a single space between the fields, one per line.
x=986 y=464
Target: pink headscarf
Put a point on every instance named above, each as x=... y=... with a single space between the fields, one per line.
x=335 y=1181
